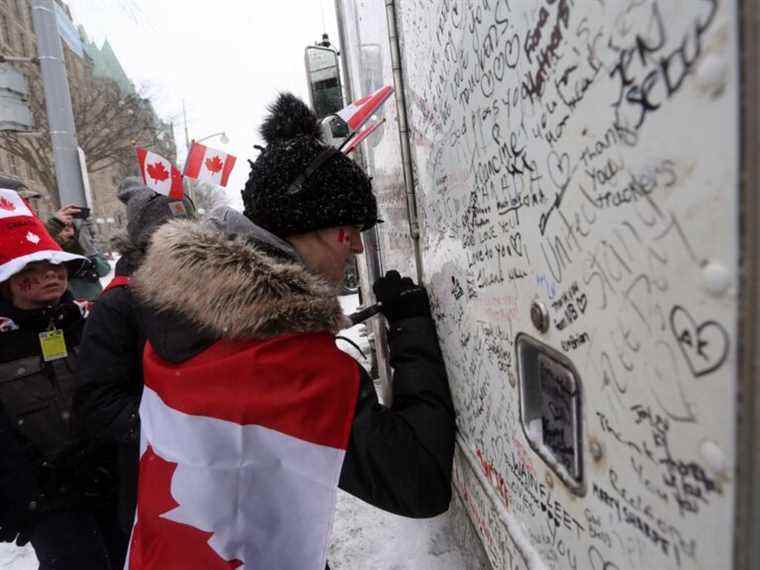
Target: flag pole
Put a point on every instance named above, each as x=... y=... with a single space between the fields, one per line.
x=350 y=136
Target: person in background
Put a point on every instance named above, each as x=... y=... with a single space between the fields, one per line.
x=85 y=282
x=242 y=373
x=113 y=341
x=55 y=482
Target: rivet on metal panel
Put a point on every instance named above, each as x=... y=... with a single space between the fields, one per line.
x=717 y=279
x=713 y=456
x=712 y=74
x=549 y=480
x=596 y=450
x=540 y=316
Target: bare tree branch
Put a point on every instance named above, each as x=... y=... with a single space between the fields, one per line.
x=108 y=126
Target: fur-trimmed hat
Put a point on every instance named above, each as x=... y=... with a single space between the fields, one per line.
x=299 y=184
x=147 y=210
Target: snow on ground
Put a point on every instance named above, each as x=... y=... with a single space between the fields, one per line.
x=363 y=537
x=14 y=558
x=104 y=281
x=366 y=538
x=356 y=334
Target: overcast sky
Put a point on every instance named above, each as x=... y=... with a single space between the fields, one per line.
x=226 y=59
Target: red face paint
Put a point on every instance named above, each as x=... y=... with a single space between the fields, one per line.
x=27 y=283
x=343 y=236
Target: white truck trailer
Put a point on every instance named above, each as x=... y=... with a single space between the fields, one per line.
x=576 y=184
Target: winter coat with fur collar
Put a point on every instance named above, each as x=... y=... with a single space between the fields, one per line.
x=200 y=286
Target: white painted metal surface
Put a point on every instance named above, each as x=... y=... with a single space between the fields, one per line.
x=583 y=155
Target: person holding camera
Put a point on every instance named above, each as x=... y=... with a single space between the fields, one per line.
x=84 y=283
x=57 y=486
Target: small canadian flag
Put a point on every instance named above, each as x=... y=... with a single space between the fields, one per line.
x=159 y=174
x=354 y=143
x=209 y=164
x=11 y=205
x=358 y=112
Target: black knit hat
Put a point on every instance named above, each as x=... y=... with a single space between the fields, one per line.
x=298 y=184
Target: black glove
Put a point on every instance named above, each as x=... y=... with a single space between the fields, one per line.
x=400 y=297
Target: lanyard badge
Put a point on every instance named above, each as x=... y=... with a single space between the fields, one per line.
x=53 y=345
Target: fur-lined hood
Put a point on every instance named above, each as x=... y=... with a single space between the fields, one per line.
x=232 y=288
x=130 y=253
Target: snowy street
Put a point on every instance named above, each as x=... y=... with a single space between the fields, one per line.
x=363 y=538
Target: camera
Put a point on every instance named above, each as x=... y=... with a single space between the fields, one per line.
x=82 y=214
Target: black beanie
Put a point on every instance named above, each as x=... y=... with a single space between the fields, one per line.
x=287 y=195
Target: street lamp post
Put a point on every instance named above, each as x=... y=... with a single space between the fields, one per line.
x=221 y=134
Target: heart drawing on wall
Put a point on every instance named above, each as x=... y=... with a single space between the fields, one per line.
x=704 y=346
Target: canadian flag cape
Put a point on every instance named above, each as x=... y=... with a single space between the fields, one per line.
x=358 y=112
x=241 y=452
x=209 y=164
x=159 y=174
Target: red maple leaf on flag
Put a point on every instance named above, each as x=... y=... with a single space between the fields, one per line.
x=182 y=546
x=157 y=171
x=214 y=164
x=7 y=204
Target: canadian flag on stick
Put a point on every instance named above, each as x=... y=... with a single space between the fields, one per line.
x=359 y=137
x=358 y=112
x=209 y=164
x=159 y=174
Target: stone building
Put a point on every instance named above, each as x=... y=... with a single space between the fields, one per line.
x=99 y=69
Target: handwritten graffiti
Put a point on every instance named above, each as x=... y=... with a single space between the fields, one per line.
x=704 y=346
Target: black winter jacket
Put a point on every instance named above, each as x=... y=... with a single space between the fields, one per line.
x=111 y=382
x=47 y=461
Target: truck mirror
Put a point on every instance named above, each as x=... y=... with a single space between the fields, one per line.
x=323 y=76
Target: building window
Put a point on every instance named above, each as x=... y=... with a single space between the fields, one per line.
x=2 y=162
x=19 y=11
x=29 y=171
x=22 y=43
x=13 y=164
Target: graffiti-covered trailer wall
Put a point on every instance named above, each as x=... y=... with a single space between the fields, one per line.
x=576 y=174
